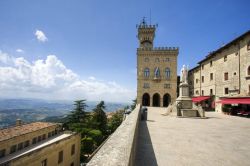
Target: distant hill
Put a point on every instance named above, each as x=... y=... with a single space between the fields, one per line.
x=30 y=110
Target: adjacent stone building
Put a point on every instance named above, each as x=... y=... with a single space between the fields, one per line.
x=38 y=144
x=223 y=73
x=156 y=70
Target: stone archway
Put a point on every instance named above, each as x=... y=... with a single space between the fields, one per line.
x=166 y=100
x=156 y=100
x=145 y=99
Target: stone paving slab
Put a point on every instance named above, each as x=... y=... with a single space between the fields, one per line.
x=217 y=141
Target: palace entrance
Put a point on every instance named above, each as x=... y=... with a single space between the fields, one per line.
x=166 y=100
x=156 y=100
x=145 y=99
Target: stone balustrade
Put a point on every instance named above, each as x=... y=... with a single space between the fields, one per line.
x=120 y=148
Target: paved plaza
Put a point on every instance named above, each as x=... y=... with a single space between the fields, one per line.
x=217 y=141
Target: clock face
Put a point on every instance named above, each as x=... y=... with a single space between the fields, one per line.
x=146 y=44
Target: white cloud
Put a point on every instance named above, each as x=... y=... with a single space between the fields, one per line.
x=5 y=58
x=51 y=79
x=19 y=50
x=92 y=78
x=41 y=36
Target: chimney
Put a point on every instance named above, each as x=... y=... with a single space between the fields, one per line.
x=18 y=122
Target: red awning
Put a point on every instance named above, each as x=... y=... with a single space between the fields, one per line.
x=200 y=98
x=235 y=101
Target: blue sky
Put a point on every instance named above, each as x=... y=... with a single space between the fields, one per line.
x=96 y=41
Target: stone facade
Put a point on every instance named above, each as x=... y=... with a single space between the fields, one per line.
x=37 y=144
x=156 y=70
x=224 y=72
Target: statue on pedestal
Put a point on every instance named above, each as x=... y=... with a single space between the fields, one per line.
x=184 y=74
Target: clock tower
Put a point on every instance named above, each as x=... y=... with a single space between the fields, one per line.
x=146 y=34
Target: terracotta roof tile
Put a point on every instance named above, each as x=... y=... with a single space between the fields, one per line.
x=14 y=131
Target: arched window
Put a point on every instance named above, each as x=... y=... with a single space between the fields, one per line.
x=248 y=70
x=167 y=73
x=157 y=72
x=146 y=72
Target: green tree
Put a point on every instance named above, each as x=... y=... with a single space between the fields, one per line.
x=87 y=145
x=100 y=118
x=115 y=121
x=97 y=136
x=78 y=114
x=133 y=104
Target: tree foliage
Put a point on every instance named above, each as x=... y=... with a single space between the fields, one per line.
x=133 y=104
x=93 y=126
x=78 y=114
x=100 y=118
x=116 y=120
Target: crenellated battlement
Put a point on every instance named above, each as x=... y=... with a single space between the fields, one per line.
x=143 y=26
x=158 y=49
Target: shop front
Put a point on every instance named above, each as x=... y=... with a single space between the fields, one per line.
x=238 y=106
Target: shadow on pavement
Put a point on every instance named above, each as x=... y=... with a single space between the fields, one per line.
x=145 y=155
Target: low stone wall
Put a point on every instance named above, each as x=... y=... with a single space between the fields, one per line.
x=119 y=150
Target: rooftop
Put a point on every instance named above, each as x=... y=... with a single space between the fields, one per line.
x=35 y=147
x=14 y=131
x=234 y=41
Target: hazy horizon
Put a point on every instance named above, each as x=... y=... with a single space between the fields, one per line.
x=68 y=50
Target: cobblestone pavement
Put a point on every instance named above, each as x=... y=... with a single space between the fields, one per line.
x=217 y=141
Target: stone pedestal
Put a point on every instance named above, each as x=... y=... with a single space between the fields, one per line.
x=189 y=113
x=184 y=103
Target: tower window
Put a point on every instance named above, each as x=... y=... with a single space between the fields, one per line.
x=197 y=92
x=167 y=72
x=146 y=85
x=202 y=67
x=226 y=91
x=202 y=92
x=73 y=149
x=202 y=79
x=157 y=60
x=226 y=76
x=157 y=72
x=60 y=157
x=167 y=86
x=211 y=91
x=146 y=60
x=211 y=76
x=211 y=63
x=225 y=58
x=248 y=70
x=146 y=72
x=196 y=80
x=44 y=162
